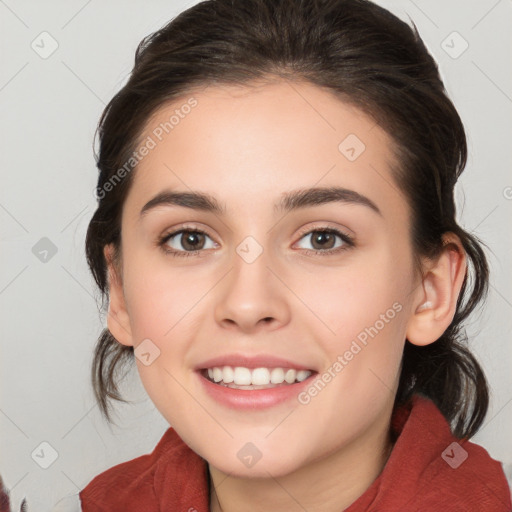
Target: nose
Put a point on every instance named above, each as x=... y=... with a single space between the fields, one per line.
x=252 y=296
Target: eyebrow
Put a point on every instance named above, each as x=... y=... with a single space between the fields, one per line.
x=294 y=200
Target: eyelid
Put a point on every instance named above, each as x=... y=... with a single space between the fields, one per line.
x=186 y=227
x=325 y=226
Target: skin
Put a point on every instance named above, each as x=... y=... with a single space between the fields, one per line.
x=245 y=147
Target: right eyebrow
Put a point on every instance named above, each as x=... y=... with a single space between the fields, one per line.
x=192 y=200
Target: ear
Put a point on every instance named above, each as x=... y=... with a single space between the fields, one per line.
x=118 y=320
x=435 y=303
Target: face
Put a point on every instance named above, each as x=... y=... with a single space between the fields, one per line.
x=320 y=285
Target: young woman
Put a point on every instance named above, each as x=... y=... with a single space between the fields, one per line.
x=277 y=238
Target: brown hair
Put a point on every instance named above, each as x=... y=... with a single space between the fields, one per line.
x=366 y=56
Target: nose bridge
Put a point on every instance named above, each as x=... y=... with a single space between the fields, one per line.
x=250 y=279
x=251 y=292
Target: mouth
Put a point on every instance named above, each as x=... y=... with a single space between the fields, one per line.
x=252 y=382
x=243 y=378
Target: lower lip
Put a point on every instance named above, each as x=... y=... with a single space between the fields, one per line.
x=253 y=398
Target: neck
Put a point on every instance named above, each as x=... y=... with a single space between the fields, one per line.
x=330 y=484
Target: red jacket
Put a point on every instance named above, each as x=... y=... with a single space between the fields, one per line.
x=428 y=470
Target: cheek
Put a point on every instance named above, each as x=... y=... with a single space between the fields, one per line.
x=161 y=299
x=161 y=305
x=359 y=319
x=344 y=301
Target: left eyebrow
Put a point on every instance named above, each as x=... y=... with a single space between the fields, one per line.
x=303 y=198
x=294 y=200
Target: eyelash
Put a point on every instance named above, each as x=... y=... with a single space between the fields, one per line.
x=348 y=241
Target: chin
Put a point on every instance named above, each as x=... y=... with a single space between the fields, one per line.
x=266 y=467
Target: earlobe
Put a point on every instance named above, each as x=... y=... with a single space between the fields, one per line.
x=436 y=301
x=118 y=320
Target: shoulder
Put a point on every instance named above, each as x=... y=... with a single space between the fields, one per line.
x=452 y=474
x=135 y=477
x=468 y=476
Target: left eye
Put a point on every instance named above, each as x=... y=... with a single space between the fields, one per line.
x=325 y=239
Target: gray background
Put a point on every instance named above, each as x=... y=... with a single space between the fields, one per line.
x=49 y=315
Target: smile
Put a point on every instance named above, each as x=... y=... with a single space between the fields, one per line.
x=241 y=377
x=254 y=389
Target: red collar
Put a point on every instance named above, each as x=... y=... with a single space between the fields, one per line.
x=425 y=471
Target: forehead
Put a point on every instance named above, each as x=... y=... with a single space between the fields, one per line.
x=252 y=142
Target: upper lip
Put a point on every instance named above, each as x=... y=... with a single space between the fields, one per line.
x=251 y=361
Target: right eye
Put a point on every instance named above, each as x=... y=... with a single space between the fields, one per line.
x=191 y=240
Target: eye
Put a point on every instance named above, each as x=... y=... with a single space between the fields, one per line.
x=323 y=241
x=185 y=242
x=188 y=241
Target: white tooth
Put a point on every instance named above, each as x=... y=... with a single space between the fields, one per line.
x=277 y=376
x=227 y=374
x=217 y=374
x=303 y=375
x=260 y=376
x=290 y=376
x=242 y=376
